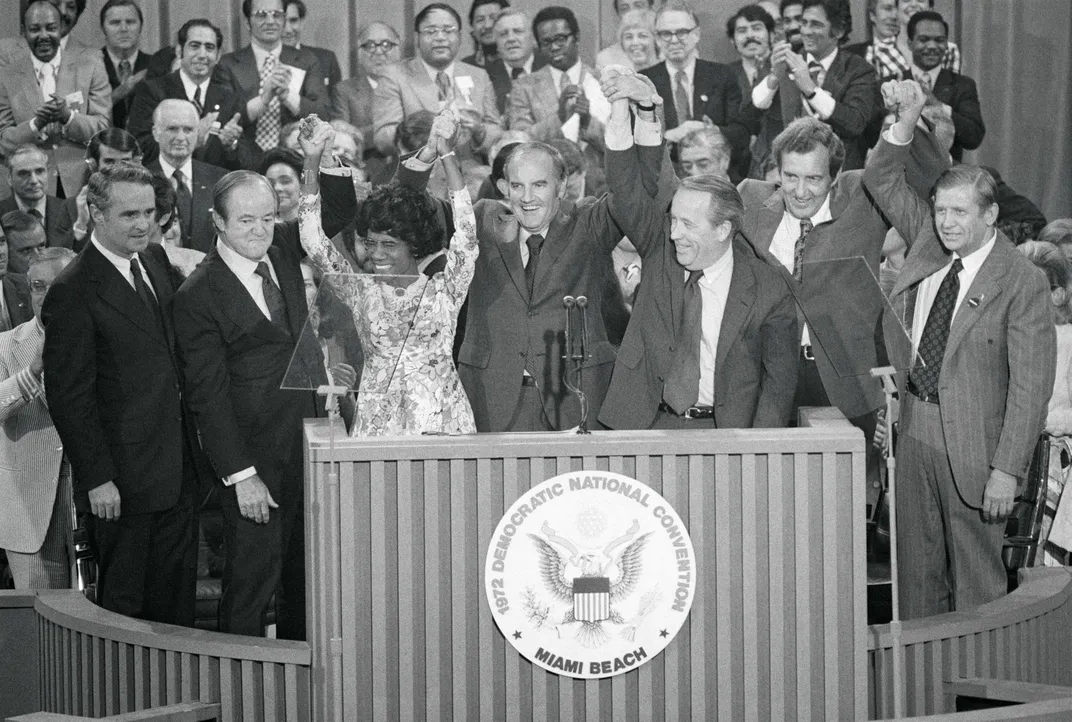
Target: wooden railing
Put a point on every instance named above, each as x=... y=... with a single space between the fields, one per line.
x=396 y=544
x=96 y=663
x=1023 y=637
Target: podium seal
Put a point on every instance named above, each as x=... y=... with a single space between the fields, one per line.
x=590 y=574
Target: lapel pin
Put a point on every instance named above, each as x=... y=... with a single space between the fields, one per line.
x=974 y=302
x=703 y=98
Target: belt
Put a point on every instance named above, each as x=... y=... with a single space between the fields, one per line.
x=806 y=352
x=693 y=413
x=914 y=390
x=527 y=380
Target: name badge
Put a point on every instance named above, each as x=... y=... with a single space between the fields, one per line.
x=74 y=98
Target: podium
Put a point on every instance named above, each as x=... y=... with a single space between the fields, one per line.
x=397 y=530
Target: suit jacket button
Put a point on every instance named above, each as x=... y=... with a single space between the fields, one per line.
x=660 y=378
x=531 y=314
x=671 y=349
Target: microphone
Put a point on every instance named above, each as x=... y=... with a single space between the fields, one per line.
x=570 y=303
x=582 y=303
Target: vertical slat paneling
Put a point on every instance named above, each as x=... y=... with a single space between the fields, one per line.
x=672 y=662
x=348 y=620
x=749 y=588
x=827 y=496
x=725 y=545
x=489 y=510
x=407 y=590
x=514 y=666
x=803 y=542
x=462 y=601
x=779 y=550
x=378 y=551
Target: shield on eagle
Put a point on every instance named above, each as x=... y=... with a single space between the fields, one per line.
x=591 y=598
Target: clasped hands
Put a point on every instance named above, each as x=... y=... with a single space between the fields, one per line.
x=620 y=83
x=786 y=62
x=277 y=84
x=54 y=111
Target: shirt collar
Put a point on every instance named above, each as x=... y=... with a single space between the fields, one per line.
x=573 y=74
x=432 y=72
x=689 y=68
x=188 y=84
x=122 y=264
x=523 y=235
x=716 y=269
x=973 y=261
x=169 y=170
x=116 y=59
x=821 y=216
x=55 y=62
x=40 y=205
x=933 y=72
x=260 y=53
x=825 y=62
x=240 y=265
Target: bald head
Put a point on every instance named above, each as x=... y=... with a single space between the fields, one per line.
x=175 y=130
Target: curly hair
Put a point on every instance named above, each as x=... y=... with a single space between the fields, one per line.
x=404 y=213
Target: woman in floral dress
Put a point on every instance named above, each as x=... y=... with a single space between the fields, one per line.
x=405 y=320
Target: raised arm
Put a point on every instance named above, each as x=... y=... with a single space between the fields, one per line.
x=464 y=249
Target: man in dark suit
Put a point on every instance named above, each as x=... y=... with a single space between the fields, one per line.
x=928 y=38
x=15 y=306
x=264 y=76
x=517 y=55
x=115 y=394
x=836 y=87
x=238 y=318
x=713 y=337
x=981 y=356
x=220 y=140
x=750 y=30
x=121 y=21
x=696 y=92
x=27 y=167
x=292 y=30
x=25 y=240
x=175 y=130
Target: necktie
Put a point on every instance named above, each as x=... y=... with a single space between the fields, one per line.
x=37 y=214
x=798 y=249
x=185 y=200
x=924 y=80
x=516 y=73
x=123 y=70
x=196 y=100
x=815 y=68
x=443 y=87
x=681 y=97
x=144 y=292
x=535 y=243
x=935 y=334
x=682 y=386
x=48 y=81
x=268 y=125
x=762 y=71
x=273 y=297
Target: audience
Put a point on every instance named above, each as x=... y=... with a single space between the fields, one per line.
x=539 y=127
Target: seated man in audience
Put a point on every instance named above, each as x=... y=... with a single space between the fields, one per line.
x=278 y=84
x=435 y=79
x=106 y=148
x=713 y=336
x=27 y=167
x=25 y=240
x=220 y=137
x=15 y=307
x=70 y=11
x=292 y=32
x=704 y=151
x=697 y=92
x=121 y=21
x=982 y=363
x=35 y=480
x=52 y=98
x=175 y=128
x=482 y=17
x=836 y=87
x=562 y=99
x=517 y=55
x=377 y=48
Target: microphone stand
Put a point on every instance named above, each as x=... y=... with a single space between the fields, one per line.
x=576 y=354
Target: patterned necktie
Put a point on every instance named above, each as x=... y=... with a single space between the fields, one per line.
x=273 y=297
x=682 y=386
x=516 y=73
x=196 y=100
x=535 y=243
x=936 y=333
x=47 y=79
x=185 y=200
x=123 y=70
x=443 y=88
x=681 y=97
x=144 y=292
x=798 y=249
x=269 y=124
x=924 y=80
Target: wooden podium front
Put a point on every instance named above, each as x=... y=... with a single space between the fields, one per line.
x=397 y=529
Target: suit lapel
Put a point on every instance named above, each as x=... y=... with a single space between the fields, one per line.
x=738 y=306
x=660 y=76
x=984 y=289
x=235 y=301
x=215 y=99
x=769 y=220
x=423 y=86
x=558 y=236
x=158 y=276
x=546 y=93
x=701 y=82
x=510 y=249
x=117 y=292
x=246 y=71
x=293 y=288
x=833 y=82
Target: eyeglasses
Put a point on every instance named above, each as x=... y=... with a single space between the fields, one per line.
x=386 y=246
x=556 y=40
x=668 y=35
x=448 y=30
x=384 y=46
x=265 y=15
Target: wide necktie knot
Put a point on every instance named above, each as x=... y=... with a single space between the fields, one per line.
x=516 y=73
x=124 y=70
x=443 y=87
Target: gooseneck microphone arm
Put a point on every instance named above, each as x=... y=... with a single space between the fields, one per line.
x=575 y=354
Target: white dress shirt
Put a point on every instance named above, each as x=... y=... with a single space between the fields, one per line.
x=246 y=272
x=784 y=244
x=123 y=265
x=573 y=76
x=714 y=290
x=928 y=288
x=821 y=105
x=187 y=172
x=116 y=60
x=189 y=86
x=293 y=98
x=40 y=206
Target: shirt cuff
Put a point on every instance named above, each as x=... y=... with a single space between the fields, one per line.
x=293 y=102
x=339 y=170
x=232 y=479
x=416 y=164
x=822 y=103
x=892 y=138
x=647 y=132
x=617 y=134
x=29 y=386
x=763 y=95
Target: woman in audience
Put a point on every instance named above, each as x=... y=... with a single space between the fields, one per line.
x=168 y=231
x=636 y=42
x=283 y=168
x=406 y=322
x=1056 y=537
x=1059 y=233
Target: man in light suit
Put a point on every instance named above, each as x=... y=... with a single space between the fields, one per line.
x=377 y=49
x=260 y=74
x=55 y=99
x=981 y=359
x=239 y=317
x=433 y=80
x=220 y=138
x=28 y=175
x=116 y=397
x=175 y=126
x=718 y=349
x=35 y=483
x=836 y=87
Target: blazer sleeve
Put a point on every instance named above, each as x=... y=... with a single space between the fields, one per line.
x=202 y=351
x=641 y=216
x=967 y=115
x=70 y=361
x=884 y=178
x=1032 y=344
x=856 y=107
x=12 y=132
x=98 y=109
x=523 y=117
x=732 y=123
x=387 y=111
x=781 y=352
x=11 y=399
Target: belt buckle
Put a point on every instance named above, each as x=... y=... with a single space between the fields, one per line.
x=807 y=352
x=694 y=413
